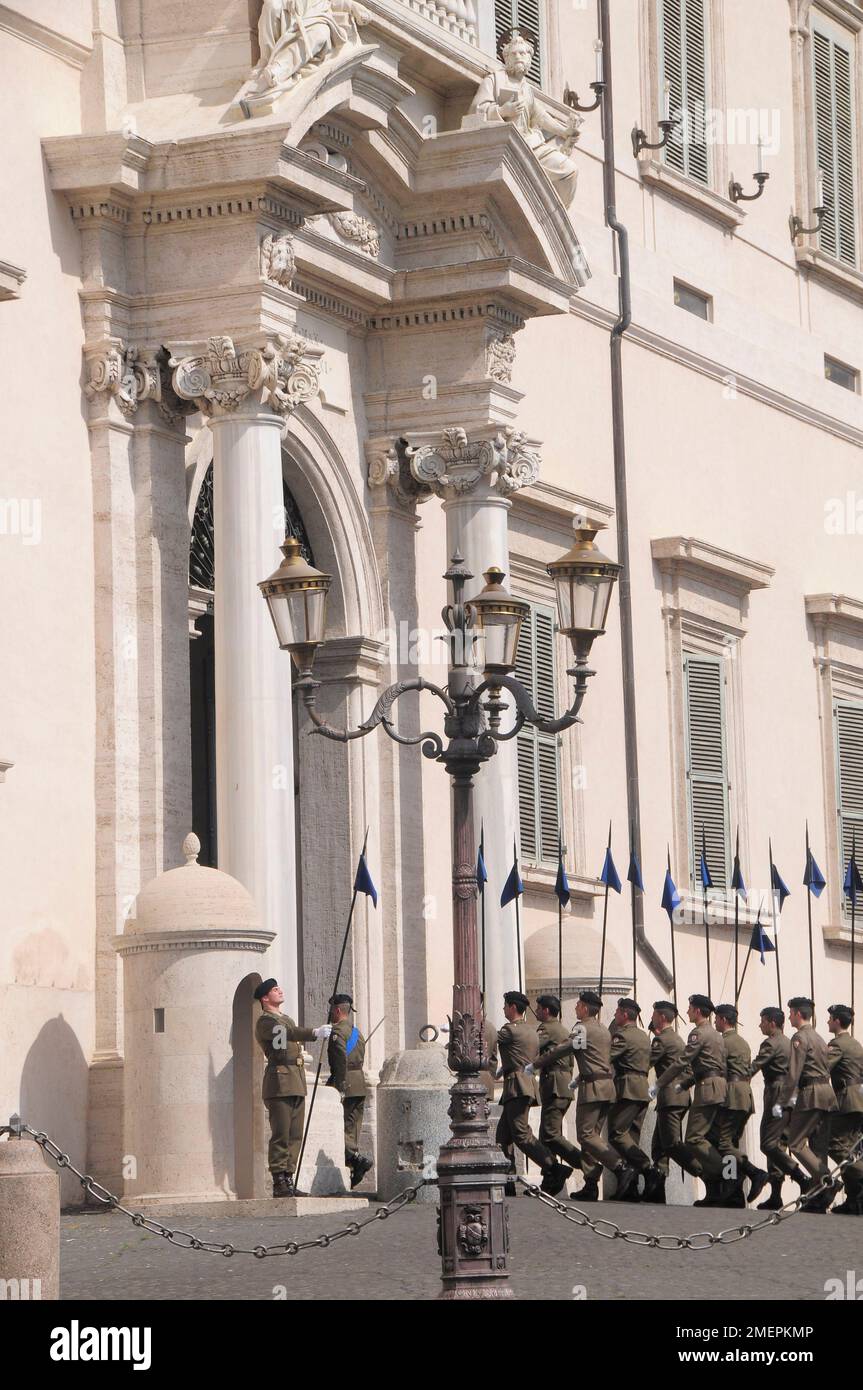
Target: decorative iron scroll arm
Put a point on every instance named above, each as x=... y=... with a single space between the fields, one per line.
x=432 y=742
x=527 y=713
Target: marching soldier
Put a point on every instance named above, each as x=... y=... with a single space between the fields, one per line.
x=554 y=1090
x=630 y=1060
x=809 y=1076
x=703 y=1057
x=733 y=1116
x=772 y=1061
x=346 y=1052
x=518 y=1044
x=845 y=1060
x=284 y=1088
x=672 y=1102
x=591 y=1045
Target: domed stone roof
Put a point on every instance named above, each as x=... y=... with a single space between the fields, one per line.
x=192 y=898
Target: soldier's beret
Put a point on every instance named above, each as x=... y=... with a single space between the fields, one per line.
x=800 y=1001
x=513 y=996
x=702 y=1003
x=548 y=1001
x=264 y=988
x=341 y=999
x=727 y=1011
x=590 y=996
x=628 y=1004
x=843 y=1012
x=773 y=1014
x=665 y=1006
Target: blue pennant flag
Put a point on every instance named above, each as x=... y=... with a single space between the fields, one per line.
x=779 y=886
x=609 y=874
x=481 y=872
x=704 y=872
x=363 y=881
x=671 y=899
x=634 y=875
x=760 y=941
x=737 y=879
x=853 y=883
x=561 y=884
x=813 y=877
x=513 y=886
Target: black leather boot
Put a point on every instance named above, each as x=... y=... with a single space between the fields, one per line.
x=774 y=1201
x=589 y=1193
x=758 y=1180
x=654 y=1186
x=280 y=1181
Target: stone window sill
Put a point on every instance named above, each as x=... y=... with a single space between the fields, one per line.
x=842 y=932
x=12 y=278
x=710 y=204
x=830 y=271
x=4 y=768
x=541 y=878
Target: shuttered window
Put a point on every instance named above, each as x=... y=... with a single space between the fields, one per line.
x=538 y=753
x=707 y=765
x=509 y=14
x=848 y=720
x=683 y=65
x=835 y=145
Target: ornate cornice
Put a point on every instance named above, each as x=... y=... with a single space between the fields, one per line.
x=456 y=464
x=282 y=374
x=195 y=939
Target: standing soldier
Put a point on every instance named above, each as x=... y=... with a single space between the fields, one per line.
x=284 y=1088
x=346 y=1052
x=733 y=1117
x=554 y=1090
x=845 y=1060
x=772 y=1061
x=630 y=1061
x=809 y=1076
x=672 y=1102
x=703 y=1057
x=591 y=1045
x=519 y=1048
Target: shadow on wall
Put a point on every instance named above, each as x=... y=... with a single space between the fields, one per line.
x=250 y=1124
x=53 y=1097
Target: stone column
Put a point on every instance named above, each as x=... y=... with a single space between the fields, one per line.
x=475 y=477
x=247 y=393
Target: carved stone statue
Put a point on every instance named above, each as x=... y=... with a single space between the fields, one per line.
x=295 y=36
x=507 y=95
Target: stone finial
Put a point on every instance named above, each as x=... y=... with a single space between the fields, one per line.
x=191 y=848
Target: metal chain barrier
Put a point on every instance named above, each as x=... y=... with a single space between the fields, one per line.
x=184 y=1240
x=699 y=1240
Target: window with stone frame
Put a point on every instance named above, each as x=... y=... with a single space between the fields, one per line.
x=848 y=736
x=707 y=777
x=538 y=753
x=683 y=40
x=510 y=14
x=835 y=111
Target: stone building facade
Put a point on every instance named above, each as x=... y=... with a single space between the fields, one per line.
x=289 y=265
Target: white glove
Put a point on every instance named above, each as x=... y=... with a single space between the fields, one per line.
x=651 y=1091
x=677 y=1086
x=323 y=1032
x=777 y=1112
x=573 y=1084
x=530 y=1069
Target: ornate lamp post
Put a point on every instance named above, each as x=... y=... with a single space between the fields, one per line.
x=483 y=641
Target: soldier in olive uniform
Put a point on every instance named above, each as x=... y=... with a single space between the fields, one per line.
x=772 y=1061
x=809 y=1076
x=346 y=1052
x=488 y=1070
x=671 y=1103
x=630 y=1061
x=845 y=1060
x=703 y=1057
x=733 y=1117
x=518 y=1044
x=590 y=1043
x=284 y=1088
x=554 y=1090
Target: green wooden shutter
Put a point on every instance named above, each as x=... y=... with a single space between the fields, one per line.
x=834 y=144
x=848 y=721
x=707 y=765
x=683 y=64
x=509 y=14
x=538 y=753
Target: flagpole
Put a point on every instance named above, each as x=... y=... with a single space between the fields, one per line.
x=673 y=958
x=632 y=907
x=604 y=924
x=482 y=911
x=335 y=990
x=809 y=916
x=742 y=977
x=560 y=929
x=517 y=922
x=853 y=915
x=736 y=914
x=775 y=928
x=704 y=874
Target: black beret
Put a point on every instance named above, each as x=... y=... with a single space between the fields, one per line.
x=665 y=1006
x=514 y=996
x=548 y=1001
x=264 y=988
x=843 y=1012
x=727 y=1011
x=800 y=1001
x=341 y=999
x=774 y=1015
x=590 y=996
x=702 y=1003
x=628 y=1004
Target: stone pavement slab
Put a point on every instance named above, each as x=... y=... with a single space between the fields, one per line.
x=102 y=1256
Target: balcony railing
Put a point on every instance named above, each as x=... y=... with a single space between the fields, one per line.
x=458 y=17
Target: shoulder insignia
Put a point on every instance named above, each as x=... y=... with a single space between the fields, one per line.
x=693 y=1036
x=797 y=1042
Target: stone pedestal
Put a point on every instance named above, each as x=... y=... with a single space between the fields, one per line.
x=412 y=1119
x=29 y=1223
x=323 y=1173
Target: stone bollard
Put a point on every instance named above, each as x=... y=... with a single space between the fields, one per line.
x=29 y=1221
x=413 y=1119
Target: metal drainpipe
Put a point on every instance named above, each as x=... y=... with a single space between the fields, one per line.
x=654 y=960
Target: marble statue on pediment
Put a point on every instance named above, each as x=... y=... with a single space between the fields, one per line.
x=507 y=95
x=296 y=36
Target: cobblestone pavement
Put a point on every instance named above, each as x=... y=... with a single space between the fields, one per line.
x=105 y=1257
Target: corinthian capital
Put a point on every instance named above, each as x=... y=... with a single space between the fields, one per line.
x=282 y=374
x=388 y=467
x=456 y=464
x=123 y=373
